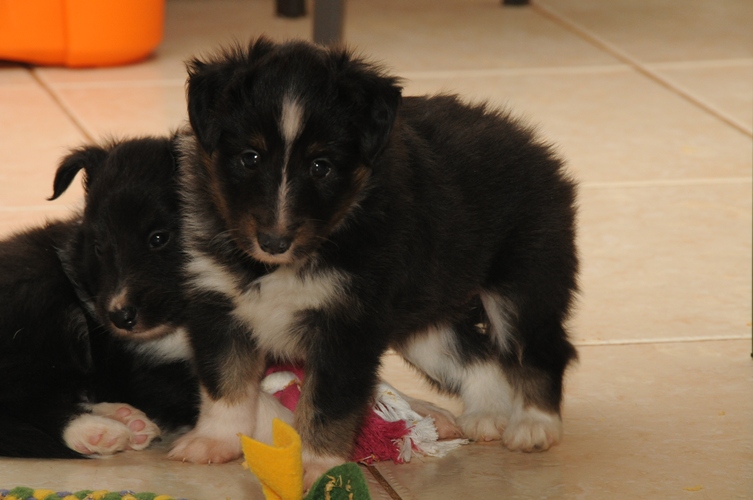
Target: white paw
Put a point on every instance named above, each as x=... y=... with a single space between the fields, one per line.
x=201 y=449
x=94 y=435
x=531 y=429
x=482 y=425
x=142 y=429
x=314 y=466
x=214 y=439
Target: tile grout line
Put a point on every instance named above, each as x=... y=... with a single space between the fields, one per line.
x=100 y=84
x=62 y=105
x=383 y=483
x=670 y=340
x=37 y=208
x=452 y=73
x=641 y=68
x=700 y=181
x=522 y=71
x=703 y=64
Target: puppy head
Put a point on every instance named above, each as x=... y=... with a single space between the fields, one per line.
x=291 y=134
x=126 y=256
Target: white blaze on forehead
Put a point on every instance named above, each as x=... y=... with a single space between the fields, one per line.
x=291 y=120
x=291 y=123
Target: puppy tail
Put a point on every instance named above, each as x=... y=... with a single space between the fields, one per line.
x=22 y=440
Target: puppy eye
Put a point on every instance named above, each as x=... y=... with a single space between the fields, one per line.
x=250 y=158
x=320 y=168
x=158 y=239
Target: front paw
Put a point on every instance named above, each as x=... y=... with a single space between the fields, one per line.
x=198 y=449
x=315 y=465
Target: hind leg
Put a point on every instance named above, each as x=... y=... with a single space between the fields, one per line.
x=533 y=354
x=510 y=381
x=461 y=360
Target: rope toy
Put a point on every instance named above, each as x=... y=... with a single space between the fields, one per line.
x=391 y=430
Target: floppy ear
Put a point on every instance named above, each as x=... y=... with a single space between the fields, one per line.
x=375 y=98
x=88 y=157
x=207 y=83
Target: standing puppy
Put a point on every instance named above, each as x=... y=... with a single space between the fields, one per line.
x=328 y=219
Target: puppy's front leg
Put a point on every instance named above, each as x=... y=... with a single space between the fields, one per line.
x=230 y=368
x=339 y=383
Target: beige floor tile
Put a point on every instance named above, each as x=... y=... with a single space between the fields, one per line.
x=14 y=74
x=115 y=111
x=451 y=34
x=641 y=421
x=462 y=35
x=156 y=69
x=667 y=31
x=610 y=126
x=144 y=471
x=376 y=490
x=664 y=262
x=14 y=220
x=35 y=135
x=728 y=85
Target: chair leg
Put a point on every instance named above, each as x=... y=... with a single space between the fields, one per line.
x=291 y=8
x=328 y=21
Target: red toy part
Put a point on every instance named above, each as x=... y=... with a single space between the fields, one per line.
x=378 y=439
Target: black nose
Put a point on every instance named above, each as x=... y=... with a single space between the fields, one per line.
x=125 y=318
x=273 y=244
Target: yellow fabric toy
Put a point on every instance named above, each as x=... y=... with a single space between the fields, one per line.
x=279 y=469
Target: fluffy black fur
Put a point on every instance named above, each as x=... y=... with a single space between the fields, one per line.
x=64 y=346
x=364 y=221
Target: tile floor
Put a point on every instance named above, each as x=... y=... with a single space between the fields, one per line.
x=652 y=105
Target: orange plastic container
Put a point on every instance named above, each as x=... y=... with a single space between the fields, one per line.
x=80 y=33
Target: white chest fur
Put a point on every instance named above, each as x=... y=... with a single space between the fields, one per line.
x=271 y=307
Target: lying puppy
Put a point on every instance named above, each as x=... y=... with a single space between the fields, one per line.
x=91 y=358
x=328 y=219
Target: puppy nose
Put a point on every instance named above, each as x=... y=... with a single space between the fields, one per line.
x=125 y=318
x=274 y=244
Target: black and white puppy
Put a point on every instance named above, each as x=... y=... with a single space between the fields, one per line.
x=329 y=219
x=91 y=354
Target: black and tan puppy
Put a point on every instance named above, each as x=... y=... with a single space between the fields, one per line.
x=92 y=359
x=329 y=219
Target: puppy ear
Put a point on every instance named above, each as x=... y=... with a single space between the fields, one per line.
x=374 y=96
x=208 y=82
x=205 y=81
x=89 y=158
